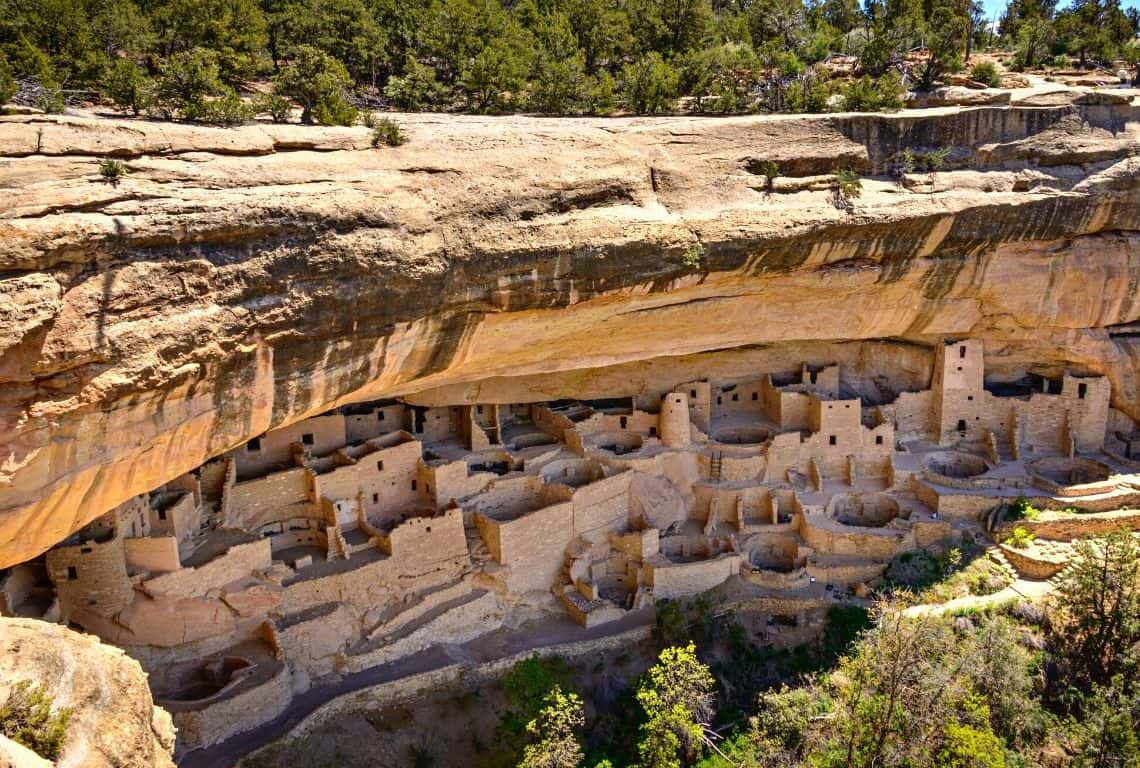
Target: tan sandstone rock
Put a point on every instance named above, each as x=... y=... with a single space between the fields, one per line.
x=238 y=280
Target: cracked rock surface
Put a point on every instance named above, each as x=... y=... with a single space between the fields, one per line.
x=236 y=280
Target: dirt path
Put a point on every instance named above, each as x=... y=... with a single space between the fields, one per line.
x=495 y=645
x=1022 y=588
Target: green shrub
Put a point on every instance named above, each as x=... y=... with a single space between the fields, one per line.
x=986 y=73
x=416 y=88
x=320 y=84
x=874 y=95
x=273 y=104
x=770 y=170
x=388 y=131
x=27 y=718
x=227 y=110
x=185 y=81
x=8 y=87
x=845 y=187
x=112 y=171
x=693 y=256
x=1020 y=538
x=51 y=99
x=126 y=84
x=649 y=85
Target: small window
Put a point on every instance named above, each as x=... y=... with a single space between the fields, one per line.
x=428 y=529
x=653 y=431
x=478 y=409
x=624 y=422
x=718 y=400
x=961 y=425
x=959 y=369
x=72 y=573
x=254 y=444
x=427 y=487
x=755 y=395
x=307 y=438
x=161 y=515
x=693 y=393
x=413 y=485
x=878 y=439
x=380 y=416
x=1082 y=390
x=970 y=398
x=812 y=377
x=848 y=405
x=380 y=466
x=962 y=353
x=736 y=398
x=832 y=440
x=85 y=550
x=375 y=498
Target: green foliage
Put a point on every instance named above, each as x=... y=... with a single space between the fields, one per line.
x=127 y=85
x=649 y=85
x=388 y=132
x=874 y=95
x=7 y=82
x=526 y=687
x=111 y=170
x=320 y=84
x=273 y=104
x=415 y=89
x=227 y=110
x=185 y=81
x=553 y=733
x=1020 y=538
x=677 y=696
x=968 y=747
x=986 y=73
x=1097 y=619
x=846 y=186
x=693 y=256
x=27 y=718
x=1021 y=509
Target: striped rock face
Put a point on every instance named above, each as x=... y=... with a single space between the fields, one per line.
x=235 y=281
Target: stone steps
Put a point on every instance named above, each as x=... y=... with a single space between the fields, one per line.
x=998 y=558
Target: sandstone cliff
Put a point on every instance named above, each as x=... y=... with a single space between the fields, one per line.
x=113 y=720
x=237 y=280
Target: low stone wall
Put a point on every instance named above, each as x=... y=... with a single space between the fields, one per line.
x=1075 y=526
x=238 y=562
x=974 y=483
x=1031 y=567
x=669 y=580
x=241 y=712
x=456 y=677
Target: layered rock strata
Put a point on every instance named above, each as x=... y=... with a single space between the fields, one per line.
x=239 y=280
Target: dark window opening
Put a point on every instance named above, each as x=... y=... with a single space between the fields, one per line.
x=962 y=353
x=254 y=444
x=653 y=431
x=427 y=487
x=878 y=439
x=755 y=395
x=72 y=573
x=812 y=377
x=413 y=485
x=718 y=400
x=380 y=465
x=736 y=398
x=832 y=440
x=970 y=398
x=1082 y=390
x=161 y=514
x=961 y=425
x=307 y=438
x=375 y=498
x=380 y=416
x=478 y=409
x=624 y=422
x=428 y=529
x=693 y=393
x=959 y=369
x=85 y=550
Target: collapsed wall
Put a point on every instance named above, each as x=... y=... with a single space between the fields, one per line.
x=238 y=281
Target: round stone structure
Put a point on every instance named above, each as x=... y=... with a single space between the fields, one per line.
x=863 y=510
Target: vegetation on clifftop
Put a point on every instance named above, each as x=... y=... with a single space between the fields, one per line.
x=188 y=59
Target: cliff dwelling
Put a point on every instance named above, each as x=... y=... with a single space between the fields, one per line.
x=359 y=536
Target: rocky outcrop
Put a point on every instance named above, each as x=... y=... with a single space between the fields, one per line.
x=237 y=280
x=113 y=719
